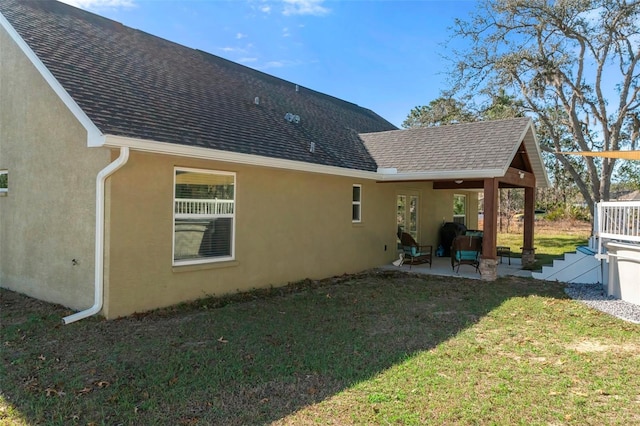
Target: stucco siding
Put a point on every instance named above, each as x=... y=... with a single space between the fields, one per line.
x=47 y=217
x=289 y=226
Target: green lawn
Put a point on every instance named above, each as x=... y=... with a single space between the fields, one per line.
x=376 y=348
x=551 y=240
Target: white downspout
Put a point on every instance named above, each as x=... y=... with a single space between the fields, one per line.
x=99 y=260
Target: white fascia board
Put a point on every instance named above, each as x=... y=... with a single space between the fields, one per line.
x=232 y=157
x=534 y=153
x=94 y=136
x=443 y=175
x=143 y=145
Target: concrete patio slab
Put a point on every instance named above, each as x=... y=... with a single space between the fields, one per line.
x=442 y=266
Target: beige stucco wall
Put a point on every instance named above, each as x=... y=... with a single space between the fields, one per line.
x=289 y=226
x=47 y=218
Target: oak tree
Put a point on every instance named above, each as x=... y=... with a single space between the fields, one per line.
x=572 y=63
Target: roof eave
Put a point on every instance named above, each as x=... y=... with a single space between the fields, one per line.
x=94 y=135
x=382 y=175
x=441 y=175
x=112 y=141
x=535 y=155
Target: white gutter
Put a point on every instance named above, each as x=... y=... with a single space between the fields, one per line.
x=388 y=174
x=167 y=148
x=99 y=255
x=440 y=175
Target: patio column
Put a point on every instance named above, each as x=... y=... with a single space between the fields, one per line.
x=528 y=250
x=489 y=258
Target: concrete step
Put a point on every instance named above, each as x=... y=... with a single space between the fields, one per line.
x=576 y=267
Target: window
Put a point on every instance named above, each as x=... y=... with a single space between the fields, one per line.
x=407 y=214
x=356 y=205
x=4 y=182
x=204 y=216
x=460 y=209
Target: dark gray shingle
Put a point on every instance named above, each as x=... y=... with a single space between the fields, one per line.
x=458 y=147
x=133 y=84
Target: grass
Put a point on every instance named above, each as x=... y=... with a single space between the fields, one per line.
x=551 y=239
x=375 y=348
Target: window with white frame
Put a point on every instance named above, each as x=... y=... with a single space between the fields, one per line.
x=356 y=205
x=4 y=181
x=204 y=216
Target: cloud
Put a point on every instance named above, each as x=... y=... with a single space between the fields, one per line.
x=241 y=36
x=92 y=4
x=304 y=7
x=263 y=6
x=247 y=60
x=231 y=49
x=285 y=32
x=280 y=64
x=273 y=64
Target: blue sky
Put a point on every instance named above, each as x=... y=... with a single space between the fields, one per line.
x=382 y=55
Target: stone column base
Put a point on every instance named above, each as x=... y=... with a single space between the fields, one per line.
x=488 y=269
x=528 y=256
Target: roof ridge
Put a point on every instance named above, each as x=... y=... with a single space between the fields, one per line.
x=456 y=125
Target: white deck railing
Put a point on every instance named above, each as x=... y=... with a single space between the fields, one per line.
x=617 y=220
x=188 y=208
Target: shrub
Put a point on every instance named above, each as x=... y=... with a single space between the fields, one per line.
x=557 y=213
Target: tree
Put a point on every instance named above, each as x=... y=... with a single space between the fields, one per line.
x=629 y=173
x=503 y=106
x=440 y=111
x=573 y=63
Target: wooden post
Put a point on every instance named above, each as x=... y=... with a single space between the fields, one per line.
x=489 y=260
x=528 y=250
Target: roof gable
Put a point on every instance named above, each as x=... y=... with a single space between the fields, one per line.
x=469 y=150
x=132 y=84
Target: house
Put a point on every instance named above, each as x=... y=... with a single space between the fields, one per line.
x=630 y=196
x=140 y=173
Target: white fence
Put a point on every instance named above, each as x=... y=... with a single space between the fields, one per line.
x=188 y=208
x=617 y=220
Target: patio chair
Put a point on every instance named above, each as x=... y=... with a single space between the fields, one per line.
x=474 y=233
x=414 y=253
x=465 y=250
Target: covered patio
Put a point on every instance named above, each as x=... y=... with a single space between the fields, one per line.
x=442 y=267
x=483 y=156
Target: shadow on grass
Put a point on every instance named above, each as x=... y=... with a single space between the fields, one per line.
x=249 y=359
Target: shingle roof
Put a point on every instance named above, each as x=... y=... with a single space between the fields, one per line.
x=133 y=84
x=485 y=145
